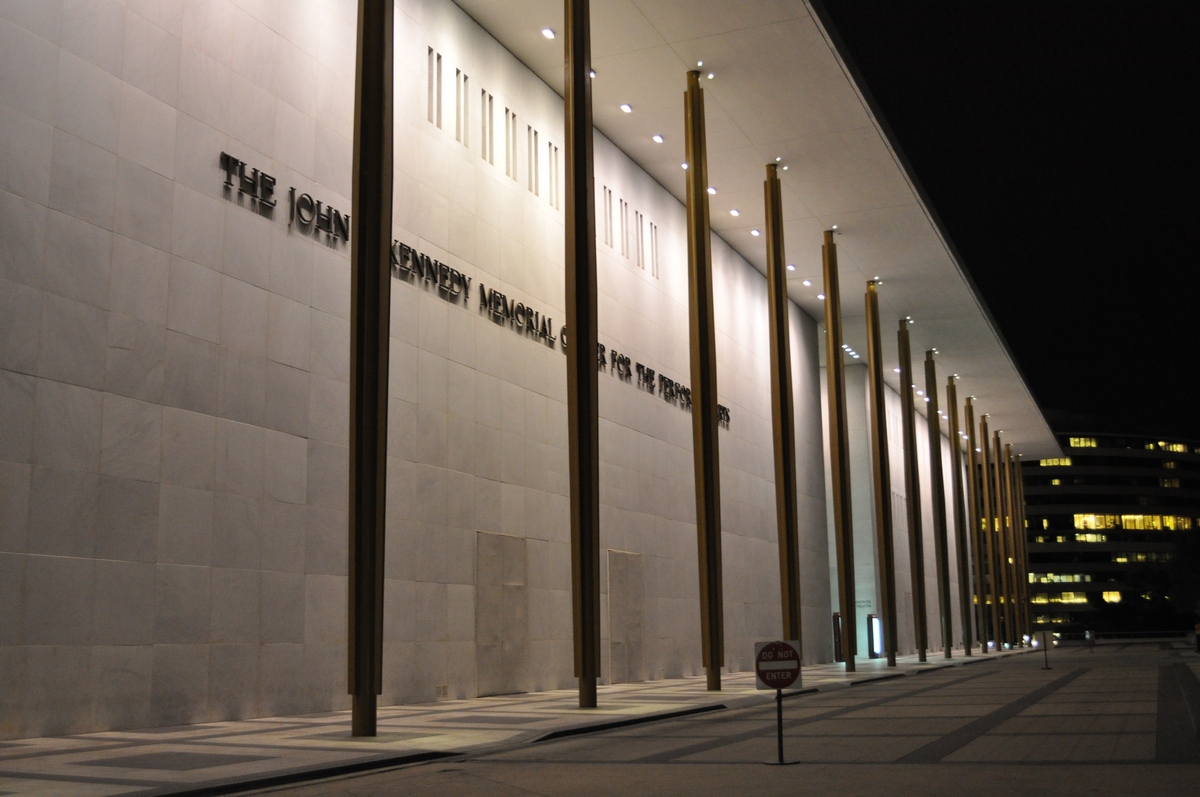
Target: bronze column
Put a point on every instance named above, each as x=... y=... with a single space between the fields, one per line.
x=884 y=536
x=975 y=516
x=1001 y=532
x=704 y=385
x=937 y=487
x=988 y=532
x=1024 y=542
x=839 y=451
x=1014 y=546
x=583 y=412
x=912 y=489
x=370 y=329
x=960 y=516
x=783 y=415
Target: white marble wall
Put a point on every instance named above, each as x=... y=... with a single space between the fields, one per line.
x=173 y=382
x=863 y=504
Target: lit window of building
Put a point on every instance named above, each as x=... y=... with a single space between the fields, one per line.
x=1059 y=578
x=1133 y=522
x=1055 y=462
x=1082 y=442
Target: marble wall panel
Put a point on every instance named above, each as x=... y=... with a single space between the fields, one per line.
x=174 y=376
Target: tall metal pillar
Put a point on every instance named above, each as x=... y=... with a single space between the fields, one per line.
x=965 y=608
x=975 y=516
x=370 y=328
x=1024 y=540
x=704 y=384
x=987 y=505
x=583 y=419
x=783 y=413
x=839 y=451
x=912 y=488
x=885 y=538
x=1014 y=547
x=1001 y=534
x=937 y=488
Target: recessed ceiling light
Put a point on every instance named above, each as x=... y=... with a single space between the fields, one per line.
x=791 y=266
x=710 y=76
x=785 y=168
x=592 y=72
x=927 y=398
x=834 y=227
x=712 y=190
x=897 y=370
x=821 y=296
x=920 y=392
x=806 y=283
x=548 y=33
x=657 y=139
x=699 y=63
x=683 y=165
x=626 y=107
x=777 y=160
x=755 y=233
x=735 y=212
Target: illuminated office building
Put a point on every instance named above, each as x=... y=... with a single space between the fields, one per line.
x=175 y=209
x=1104 y=523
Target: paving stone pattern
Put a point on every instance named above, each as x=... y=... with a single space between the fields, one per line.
x=1121 y=719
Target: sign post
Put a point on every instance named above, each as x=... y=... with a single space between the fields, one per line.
x=777 y=666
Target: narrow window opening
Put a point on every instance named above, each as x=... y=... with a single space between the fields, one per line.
x=654 y=250
x=554 y=176
x=491 y=131
x=639 y=240
x=508 y=148
x=458 y=101
x=431 y=91
x=608 y=217
x=466 y=111
x=624 y=219
x=438 y=90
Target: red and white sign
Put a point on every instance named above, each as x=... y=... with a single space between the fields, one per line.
x=776 y=664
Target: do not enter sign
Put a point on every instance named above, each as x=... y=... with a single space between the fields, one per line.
x=776 y=664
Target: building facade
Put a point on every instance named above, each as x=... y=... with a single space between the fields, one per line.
x=1105 y=525
x=174 y=365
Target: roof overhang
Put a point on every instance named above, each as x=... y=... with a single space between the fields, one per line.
x=781 y=92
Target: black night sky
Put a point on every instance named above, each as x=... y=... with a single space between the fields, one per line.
x=1058 y=144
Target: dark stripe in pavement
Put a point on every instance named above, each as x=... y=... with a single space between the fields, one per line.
x=939 y=748
x=578 y=730
x=712 y=744
x=1176 y=739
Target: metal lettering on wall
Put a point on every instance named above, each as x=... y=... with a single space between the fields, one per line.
x=308 y=215
x=414 y=267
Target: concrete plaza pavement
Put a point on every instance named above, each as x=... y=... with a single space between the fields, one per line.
x=1119 y=720
x=214 y=757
